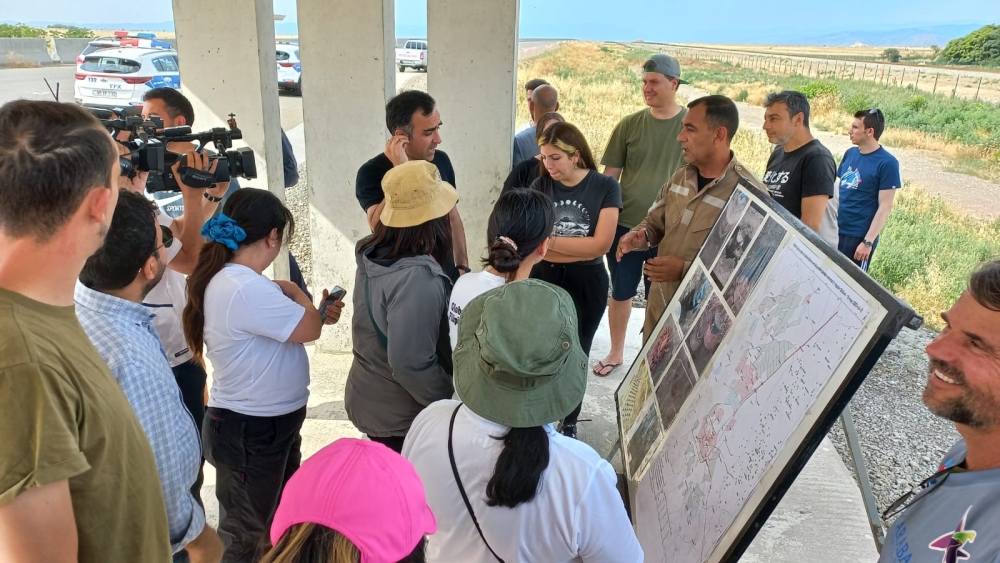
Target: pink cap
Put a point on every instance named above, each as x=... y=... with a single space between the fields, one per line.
x=365 y=491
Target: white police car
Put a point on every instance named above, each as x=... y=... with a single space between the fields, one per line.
x=121 y=76
x=289 y=67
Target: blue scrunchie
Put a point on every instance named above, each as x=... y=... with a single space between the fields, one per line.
x=224 y=230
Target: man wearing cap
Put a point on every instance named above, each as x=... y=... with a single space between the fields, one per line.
x=415 y=125
x=643 y=153
x=952 y=516
x=494 y=461
x=690 y=203
x=868 y=179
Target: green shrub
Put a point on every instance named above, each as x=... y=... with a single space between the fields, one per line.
x=20 y=30
x=820 y=88
x=916 y=103
x=858 y=101
x=742 y=95
x=892 y=55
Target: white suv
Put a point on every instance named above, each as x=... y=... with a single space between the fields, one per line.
x=122 y=76
x=289 y=67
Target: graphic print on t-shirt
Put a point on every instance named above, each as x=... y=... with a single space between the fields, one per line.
x=851 y=179
x=572 y=219
x=953 y=543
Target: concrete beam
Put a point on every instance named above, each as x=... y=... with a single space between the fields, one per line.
x=232 y=68
x=348 y=56
x=472 y=74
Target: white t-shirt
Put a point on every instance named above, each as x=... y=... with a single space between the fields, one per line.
x=467 y=288
x=247 y=324
x=577 y=514
x=167 y=300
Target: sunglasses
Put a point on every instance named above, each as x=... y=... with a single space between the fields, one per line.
x=905 y=501
x=877 y=113
x=168 y=238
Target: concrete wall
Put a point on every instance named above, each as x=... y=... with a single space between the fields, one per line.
x=14 y=52
x=472 y=76
x=343 y=109
x=230 y=69
x=67 y=50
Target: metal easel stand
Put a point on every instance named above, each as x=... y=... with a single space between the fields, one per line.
x=858 y=458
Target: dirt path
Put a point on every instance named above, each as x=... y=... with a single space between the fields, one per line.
x=977 y=197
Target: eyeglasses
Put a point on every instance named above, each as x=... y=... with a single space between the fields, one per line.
x=905 y=501
x=168 y=238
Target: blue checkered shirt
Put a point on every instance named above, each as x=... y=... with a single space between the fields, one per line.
x=123 y=333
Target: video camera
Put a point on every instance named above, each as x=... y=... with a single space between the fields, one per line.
x=147 y=150
x=231 y=162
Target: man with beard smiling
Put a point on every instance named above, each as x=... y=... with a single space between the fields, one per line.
x=109 y=306
x=954 y=514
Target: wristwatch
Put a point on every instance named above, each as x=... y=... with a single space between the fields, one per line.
x=463 y=268
x=212 y=198
x=868 y=243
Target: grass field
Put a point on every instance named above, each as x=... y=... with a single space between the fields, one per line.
x=927 y=249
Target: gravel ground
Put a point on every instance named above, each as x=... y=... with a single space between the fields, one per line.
x=902 y=441
x=297 y=201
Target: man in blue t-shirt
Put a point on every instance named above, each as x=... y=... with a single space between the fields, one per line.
x=953 y=515
x=868 y=180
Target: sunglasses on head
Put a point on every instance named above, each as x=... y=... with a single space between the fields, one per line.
x=877 y=113
x=168 y=238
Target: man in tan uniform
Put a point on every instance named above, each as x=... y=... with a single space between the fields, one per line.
x=690 y=203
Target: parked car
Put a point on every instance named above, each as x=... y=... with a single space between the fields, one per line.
x=122 y=39
x=289 y=67
x=412 y=55
x=122 y=75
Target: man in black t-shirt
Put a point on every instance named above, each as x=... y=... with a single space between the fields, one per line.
x=801 y=171
x=414 y=123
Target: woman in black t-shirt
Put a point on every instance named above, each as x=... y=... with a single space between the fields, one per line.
x=527 y=171
x=587 y=204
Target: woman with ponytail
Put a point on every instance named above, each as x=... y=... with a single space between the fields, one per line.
x=517 y=237
x=253 y=330
x=502 y=483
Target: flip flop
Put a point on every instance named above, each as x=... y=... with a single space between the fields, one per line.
x=601 y=366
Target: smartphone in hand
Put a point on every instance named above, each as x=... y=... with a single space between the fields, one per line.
x=337 y=294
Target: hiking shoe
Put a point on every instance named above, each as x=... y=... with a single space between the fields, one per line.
x=568 y=430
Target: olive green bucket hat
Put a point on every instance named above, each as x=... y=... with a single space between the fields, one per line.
x=518 y=361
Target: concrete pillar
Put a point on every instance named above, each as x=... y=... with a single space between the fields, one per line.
x=228 y=66
x=472 y=74
x=348 y=53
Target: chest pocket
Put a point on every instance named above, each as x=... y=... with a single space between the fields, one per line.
x=704 y=217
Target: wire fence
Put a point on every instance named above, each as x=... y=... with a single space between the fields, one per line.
x=969 y=85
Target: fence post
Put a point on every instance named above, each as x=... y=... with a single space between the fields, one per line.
x=902 y=78
x=916 y=85
x=864 y=69
x=934 y=90
x=954 y=90
x=854 y=73
x=976 y=99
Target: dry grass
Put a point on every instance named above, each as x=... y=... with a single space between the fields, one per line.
x=16 y=60
x=817 y=51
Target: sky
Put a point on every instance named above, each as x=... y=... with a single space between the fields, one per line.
x=718 y=21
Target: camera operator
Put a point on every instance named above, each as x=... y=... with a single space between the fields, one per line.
x=169 y=296
x=176 y=110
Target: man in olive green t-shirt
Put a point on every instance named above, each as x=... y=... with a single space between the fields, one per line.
x=78 y=480
x=643 y=154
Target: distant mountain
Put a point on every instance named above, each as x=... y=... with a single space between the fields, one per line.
x=938 y=35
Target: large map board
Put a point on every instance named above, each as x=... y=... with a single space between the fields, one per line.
x=759 y=350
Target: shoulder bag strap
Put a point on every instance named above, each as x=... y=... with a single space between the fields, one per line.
x=458 y=481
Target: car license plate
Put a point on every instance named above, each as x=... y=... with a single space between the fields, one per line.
x=105 y=93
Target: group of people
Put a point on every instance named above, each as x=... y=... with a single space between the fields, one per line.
x=458 y=379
